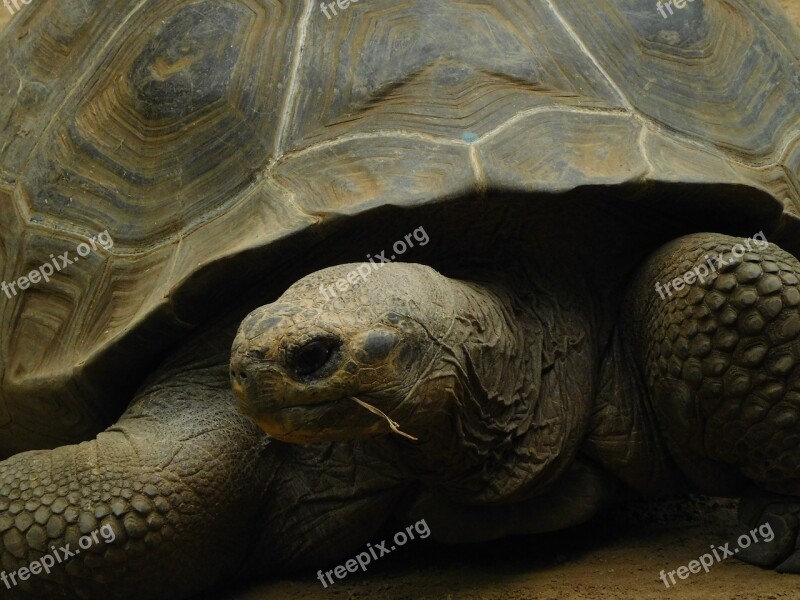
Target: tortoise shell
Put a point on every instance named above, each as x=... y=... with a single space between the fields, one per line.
x=212 y=139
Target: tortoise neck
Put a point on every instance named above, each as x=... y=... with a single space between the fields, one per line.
x=515 y=377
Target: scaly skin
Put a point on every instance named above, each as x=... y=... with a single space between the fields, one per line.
x=180 y=459
x=721 y=360
x=715 y=393
x=194 y=492
x=503 y=384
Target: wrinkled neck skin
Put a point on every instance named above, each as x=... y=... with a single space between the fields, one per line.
x=507 y=397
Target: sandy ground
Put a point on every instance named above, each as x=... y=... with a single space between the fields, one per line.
x=617 y=557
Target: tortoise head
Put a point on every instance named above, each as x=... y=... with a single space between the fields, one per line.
x=344 y=348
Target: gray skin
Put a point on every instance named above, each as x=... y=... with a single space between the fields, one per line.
x=511 y=397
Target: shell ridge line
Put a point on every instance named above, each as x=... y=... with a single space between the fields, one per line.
x=292 y=88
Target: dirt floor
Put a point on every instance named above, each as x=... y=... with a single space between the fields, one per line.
x=618 y=557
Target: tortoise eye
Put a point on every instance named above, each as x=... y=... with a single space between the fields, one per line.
x=254 y=354
x=313 y=356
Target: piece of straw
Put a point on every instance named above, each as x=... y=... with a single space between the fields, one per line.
x=392 y=424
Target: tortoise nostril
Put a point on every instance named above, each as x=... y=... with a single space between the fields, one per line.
x=254 y=354
x=238 y=375
x=313 y=356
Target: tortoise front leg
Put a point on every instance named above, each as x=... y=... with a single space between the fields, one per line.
x=173 y=488
x=187 y=493
x=716 y=323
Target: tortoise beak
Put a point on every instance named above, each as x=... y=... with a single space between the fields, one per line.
x=255 y=382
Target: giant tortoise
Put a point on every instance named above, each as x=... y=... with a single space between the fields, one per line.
x=605 y=306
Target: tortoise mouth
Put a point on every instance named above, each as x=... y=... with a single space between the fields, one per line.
x=340 y=419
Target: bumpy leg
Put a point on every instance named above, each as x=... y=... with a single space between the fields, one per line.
x=169 y=492
x=716 y=322
x=183 y=493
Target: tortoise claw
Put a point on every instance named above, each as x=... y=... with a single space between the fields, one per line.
x=791 y=564
x=775 y=522
x=765 y=553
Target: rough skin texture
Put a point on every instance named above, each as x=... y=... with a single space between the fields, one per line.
x=193 y=490
x=721 y=363
x=186 y=445
x=502 y=389
x=717 y=359
x=495 y=383
x=721 y=358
